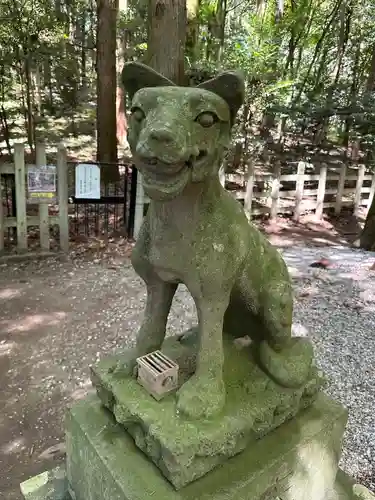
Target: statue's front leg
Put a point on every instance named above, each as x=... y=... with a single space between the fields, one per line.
x=203 y=395
x=159 y=296
x=151 y=334
x=152 y=331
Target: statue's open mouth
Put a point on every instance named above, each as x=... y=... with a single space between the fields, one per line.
x=168 y=177
x=163 y=166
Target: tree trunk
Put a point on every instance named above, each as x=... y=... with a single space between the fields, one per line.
x=106 y=88
x=166 y=38
x=29 y=104
x=318 y=50
x=221 y=14
x=48 y=86
x=353 y=92
x=343 y=37
x=37 y=89
x=121 y=123
x=82 y=32
x=367 y=237
x=192 y=30
x=21 y=71
x=90 y=37
x=5 y=132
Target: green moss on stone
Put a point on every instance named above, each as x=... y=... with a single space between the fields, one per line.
x=186 y=449
x=290 y=462
x=197 y=234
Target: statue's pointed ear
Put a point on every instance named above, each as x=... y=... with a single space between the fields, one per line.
x=230 y=86
x=136 y=75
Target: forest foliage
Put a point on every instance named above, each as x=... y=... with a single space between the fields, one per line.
x=309 y=65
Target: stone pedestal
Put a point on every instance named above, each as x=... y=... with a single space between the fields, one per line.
x=296 y=461
x=268 y=443
x=186 y=450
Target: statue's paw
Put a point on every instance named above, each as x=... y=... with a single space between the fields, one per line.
x=291 y=366
x=190 y=337
x=201 y=397
x=122 y=369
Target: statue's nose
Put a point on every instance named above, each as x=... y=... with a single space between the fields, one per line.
x=163 y=135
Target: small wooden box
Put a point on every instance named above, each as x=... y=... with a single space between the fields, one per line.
x=158 y=374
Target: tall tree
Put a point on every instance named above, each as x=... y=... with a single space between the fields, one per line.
x=192 y=29
x=120 y=96
x=106 y=87
x=166 y=38
x=367 y=237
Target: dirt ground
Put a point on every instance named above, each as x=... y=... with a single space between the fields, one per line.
x=59 y=316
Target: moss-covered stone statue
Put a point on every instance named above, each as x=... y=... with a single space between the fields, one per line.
x=197 y=234
x=231 y=394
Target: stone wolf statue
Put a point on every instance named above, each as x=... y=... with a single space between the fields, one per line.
x=197 y=234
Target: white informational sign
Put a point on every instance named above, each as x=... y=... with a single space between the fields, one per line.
x=88 y=181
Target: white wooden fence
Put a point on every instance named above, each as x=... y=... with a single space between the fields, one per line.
x=22 y=221
x=274 y=200
x=260 y=194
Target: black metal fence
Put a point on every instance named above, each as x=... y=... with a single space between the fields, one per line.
x=8 y=199
x=113 y=213
x=110 y=216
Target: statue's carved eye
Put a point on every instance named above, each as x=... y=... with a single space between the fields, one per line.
x=206 y=119
x=137 y=114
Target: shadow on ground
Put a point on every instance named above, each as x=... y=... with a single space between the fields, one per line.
x=330 y=231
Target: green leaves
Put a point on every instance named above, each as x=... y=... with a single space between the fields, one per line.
x=278 y=86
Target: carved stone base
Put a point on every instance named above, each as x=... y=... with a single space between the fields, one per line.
x=186 y=450
x=296 y=461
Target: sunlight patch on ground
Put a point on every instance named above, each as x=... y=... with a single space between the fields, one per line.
x=32 y=321
x=324 y=241
x=6 y=348
x=9 y=293
x=13 y=446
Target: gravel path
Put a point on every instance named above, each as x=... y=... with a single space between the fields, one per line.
x=58 y=317
x=336 y=309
